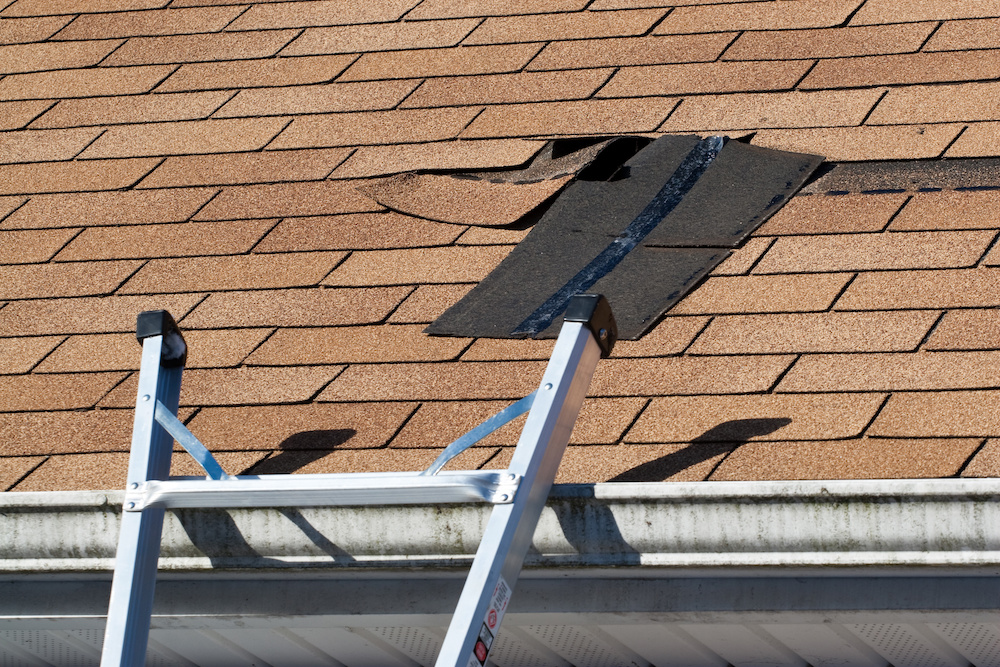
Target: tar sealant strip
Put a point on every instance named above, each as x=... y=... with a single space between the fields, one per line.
x=669 y=196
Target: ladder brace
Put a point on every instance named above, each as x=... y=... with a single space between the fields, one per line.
x=518 y=494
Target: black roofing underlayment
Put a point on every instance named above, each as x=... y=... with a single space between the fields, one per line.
x=643 y=235
x=906 y=176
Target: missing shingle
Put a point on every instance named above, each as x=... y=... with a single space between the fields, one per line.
x=906 y=176
x=713 y=205
x=503 y=197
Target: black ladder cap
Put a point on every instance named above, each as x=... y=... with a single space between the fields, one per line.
x=595 y=311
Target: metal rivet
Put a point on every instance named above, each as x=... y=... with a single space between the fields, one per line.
x=511 y=477
x=504 y=497
x=548 y=386
x=133 y=485
x=131 y=506
x=145 y=397
x=603 y=333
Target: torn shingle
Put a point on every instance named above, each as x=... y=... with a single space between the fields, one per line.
x=643 y=235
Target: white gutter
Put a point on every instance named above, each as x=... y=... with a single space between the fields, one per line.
x=791 y=527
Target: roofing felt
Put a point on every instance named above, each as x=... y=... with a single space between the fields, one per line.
x=206 y=158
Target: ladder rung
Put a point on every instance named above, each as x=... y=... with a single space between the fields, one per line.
x=393 y=488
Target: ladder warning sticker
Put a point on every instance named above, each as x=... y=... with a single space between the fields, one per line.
x=494 y=614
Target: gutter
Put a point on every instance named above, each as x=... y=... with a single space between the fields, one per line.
x=944 y=526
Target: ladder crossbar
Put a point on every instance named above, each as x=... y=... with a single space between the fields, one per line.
x=187 y=440
x=326 y=490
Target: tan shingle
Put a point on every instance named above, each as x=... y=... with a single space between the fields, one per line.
x=35 y=281
x=239 y=168
x=764 y=294
x=15 y=115
x=958 y=288
x=424 y=265
x=904 y=69
x=935 y=104
x=380 y=37
x=614 y=52
x=281 y=199
x=109 y=208
x=46 y=7
x=364 y=96
x=23 y=247
x=83 y=83
x=22 y=31
x=949 y=210
x=132 y=109
x=757 y=16
x=355 y=345
x=388 y=127
x=42 y=56
x=73 y=176
x=971 y=34
x=55 y=392
x=87 y=315
x=577 y=25
x=889 y=11
x=585 y=117
x=818 y=214
x=717 y=77
x=148 y=23
x=441 y=62
x=830 y=42
x=852 y=144
x=507 y=88
x=359 y=231
x=201 y=48
x=44 y=145
x=893 y=371
x=319 y=12
x=186 y=137
x=20 y=355
x=439 y=9
x=253 y=73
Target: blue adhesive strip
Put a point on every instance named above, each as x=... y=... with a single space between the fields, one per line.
x=189 y=442
x=506 y=415
x=669 y=196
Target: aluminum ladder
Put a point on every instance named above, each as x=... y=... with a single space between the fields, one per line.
x=517 y=494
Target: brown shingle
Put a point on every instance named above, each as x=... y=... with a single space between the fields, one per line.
x=961 y=288
x=232 y=272
x=15 y=115
x=320 y=12
x=893 y=371
x=818 y=214
x=634 y=463
x=238 y=168
x=32 y=246
x=326 y=98
x=507 y=88
x=10 y=204
x=186 y=137
x=772 y=110
x=889 y=11
x=239 y=386
x=360 y=231
x=436 y=381
x=986 y=462
x=670 y=336
x=177 y=240
x=503 y=349
x=586 y=117
x=87 y=315
x=939 y=414
x=296 y=427
x=755 y=417
x=351 y=345
x=254 y=73
x=426 y=303
x=851 y=459
x=201 y=48
x=425 y=265
x=936 y=104
x=492 y=236
x=131 y=109
x=44 y=145
x=717 y=77
x=435 y=425
x=73 y=176
x=763 y=294
x=13 y=468
x=829 y=42
x=490 y=153
x=287 y=199
x=45 y=7
x=148 y=23
x=687 y=375
x=20 y=58
x=73 y=472
x=55 y=392
x=20 y=355
x=966 y=330
x=120 y=352
x=109 y=208
x=22 y=31
x=440 y=9
x=389 y=460
x=960 y=35
x=757 y=16
x=896 y=250
x=949 y=210
x=66 y=432
x=979 y=139
x=895 y=331
x=904 y=69
x=385 y=127
x=83 y=83
x=620 y=51
x=380 y=37
x=322 y=307
x=34 y=281
x=577 y=25
x=441 y=62
x=742 y=260
x=852 y=144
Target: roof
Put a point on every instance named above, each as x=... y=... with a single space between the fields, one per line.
x=204 y=158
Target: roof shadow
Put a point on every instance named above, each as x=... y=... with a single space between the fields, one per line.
x=720 y=439
x=300 y=449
